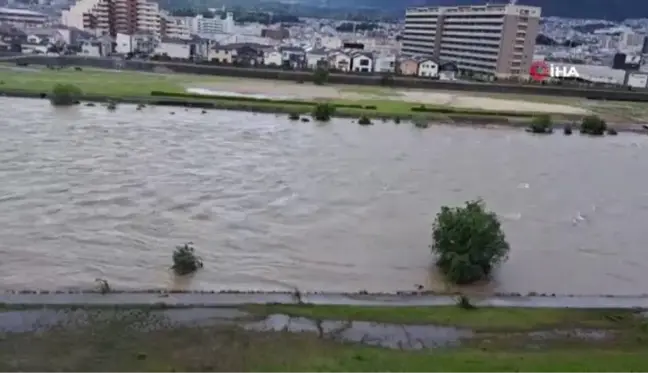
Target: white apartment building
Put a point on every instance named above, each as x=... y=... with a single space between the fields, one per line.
x=491 y=40
x=201 y=25
x=629 y=41
x=21 y=17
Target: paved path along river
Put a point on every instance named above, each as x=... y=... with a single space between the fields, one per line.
x=271 y=204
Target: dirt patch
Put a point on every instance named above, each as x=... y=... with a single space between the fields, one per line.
x=309 y=91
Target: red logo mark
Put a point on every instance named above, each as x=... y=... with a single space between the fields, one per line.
x=540 y=71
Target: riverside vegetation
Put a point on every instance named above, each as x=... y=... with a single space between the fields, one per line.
x=129 y=86
x=590 y=125
x=69 y=94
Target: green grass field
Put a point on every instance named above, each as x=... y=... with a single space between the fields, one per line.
x=485 y=319
x=128 y=85
x=95 y=82
x=502 y=342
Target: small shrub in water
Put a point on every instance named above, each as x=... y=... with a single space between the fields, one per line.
x=185 y=260
x=293 y=116
x=541 y=124
x=364 y=121
x=323 y=111
x=103 y=285
x=567 y=130
x=65 y=95
x=421 y=123
x=593 y=125
x=397 y=120
x=111 y=105
x=612 y=132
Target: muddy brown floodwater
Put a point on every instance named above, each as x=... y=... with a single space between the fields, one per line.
x=270 y=203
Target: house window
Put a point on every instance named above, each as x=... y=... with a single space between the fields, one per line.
x=364 y=62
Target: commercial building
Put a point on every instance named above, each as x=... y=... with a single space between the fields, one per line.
x=217 y=25
x=21 y=17
x=489 y=40
x=630 y=41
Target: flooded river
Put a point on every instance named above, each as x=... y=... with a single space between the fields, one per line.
x=270 y=203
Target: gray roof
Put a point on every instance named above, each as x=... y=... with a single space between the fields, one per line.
x=361 y=54
x=318 y=51
x=241 y=45
x=291 y=49
x=176 y=41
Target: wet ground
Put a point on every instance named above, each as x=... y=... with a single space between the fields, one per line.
x=386 y=335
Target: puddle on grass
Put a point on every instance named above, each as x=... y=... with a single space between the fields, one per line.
x=406 y=337
x=393 y=336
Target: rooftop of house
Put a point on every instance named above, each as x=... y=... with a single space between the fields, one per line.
x=318 y=51
x=291 y=48
x=356 y=54
x=176 y=41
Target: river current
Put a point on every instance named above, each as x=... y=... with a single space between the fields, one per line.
x=270 y=204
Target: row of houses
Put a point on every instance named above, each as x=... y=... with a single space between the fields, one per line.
x=73 y=41
x=296 y=58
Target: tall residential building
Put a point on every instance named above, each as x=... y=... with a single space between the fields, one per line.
x=114 y=16
x=492 y=39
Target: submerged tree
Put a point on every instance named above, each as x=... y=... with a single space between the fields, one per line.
x=468 y=241
x=185 y=260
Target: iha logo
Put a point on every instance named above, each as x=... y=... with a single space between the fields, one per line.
x=541 y=71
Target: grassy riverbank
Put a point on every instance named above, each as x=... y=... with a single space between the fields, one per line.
x=483 y=319
x=503 y=340
x=137 y=87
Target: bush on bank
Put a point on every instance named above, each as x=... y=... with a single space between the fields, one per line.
x=468 y=241
x=593 y=125
x=185 y=260
x=65 y=95
x=320 y=76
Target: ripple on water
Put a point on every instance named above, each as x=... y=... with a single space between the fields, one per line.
x=87 y=193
